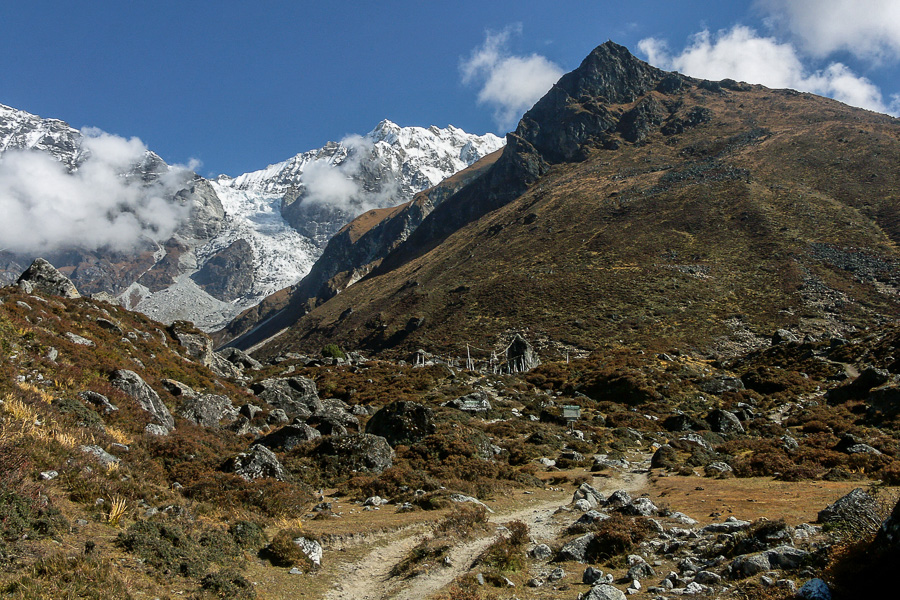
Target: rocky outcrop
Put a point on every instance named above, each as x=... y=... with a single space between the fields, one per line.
x=228 y=274
x=132 y=384
x=256 y=463
x=43 y=278
x=402 y=422
x=289 y=437
x=296 y=396
x=362 y=452
x=208 y=410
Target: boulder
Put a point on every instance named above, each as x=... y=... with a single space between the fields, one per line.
x=541 y=552
x=471 y=499
x=333 y=418
x=289 y=437
x=311 y=548
x=720 y=385
x=42 y=277
x=402 y=422
x=256 y=463
x=642 y=507
x=814 y=589
x=475 y=402
x=722 y=421
x=240 y=359
x=98 y=400
x=860 y=387
x=618 y=499
x=588 y=492
x=857 y=510
x=208 y=410
x=149 y=401
x=746 y=565
x=604 y=591
x=178 y=389
x=575 y=549
x=101 y=455
x=199 y=346
x=591 y=575
x=296 y=396
x=786 y=557
x=359 y=452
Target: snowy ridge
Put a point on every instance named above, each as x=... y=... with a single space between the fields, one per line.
x=22 y=130
x=266 y=228
x=420 y=157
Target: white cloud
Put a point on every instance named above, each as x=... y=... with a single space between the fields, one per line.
x=740 y=53
x=868 y=29
x=337 y=183
x=510 y=84
x=46 y=208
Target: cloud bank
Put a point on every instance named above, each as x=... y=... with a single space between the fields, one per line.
x=741 y=53
x=510 y=84
x=46 y=208
x=868 y=29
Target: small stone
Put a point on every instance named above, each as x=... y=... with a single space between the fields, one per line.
x=534 y=582
x=48 y=475
x=541 y=552
x=295 y=571
x=556 y=574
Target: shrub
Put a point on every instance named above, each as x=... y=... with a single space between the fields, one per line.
x=617 y=535
x=283 y=552
x=228 y=584
x=506 y=554
x=333 y=351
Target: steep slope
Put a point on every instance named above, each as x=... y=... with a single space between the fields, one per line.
x=350 y=254
x=645 y=207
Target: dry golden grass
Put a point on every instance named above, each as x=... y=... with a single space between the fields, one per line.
x=748 y=498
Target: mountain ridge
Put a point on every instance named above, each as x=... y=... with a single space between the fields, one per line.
x=697 y=213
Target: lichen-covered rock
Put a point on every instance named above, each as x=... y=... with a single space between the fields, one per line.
x=359 y=452
x=857 y=510
x=296 y=396
x=604 y=591
x=590 y=494
x=98 y=400
x=402 y=422
x=289 y=437
x=208 y=410
x=132 y=384
x=43 y=277
x=256 y=463
x=575 y=549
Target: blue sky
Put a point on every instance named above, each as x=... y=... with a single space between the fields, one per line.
x=240 y=85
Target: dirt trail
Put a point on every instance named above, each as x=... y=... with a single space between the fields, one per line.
x=369 y=579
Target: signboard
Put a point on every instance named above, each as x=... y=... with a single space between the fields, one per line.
x=571 y=412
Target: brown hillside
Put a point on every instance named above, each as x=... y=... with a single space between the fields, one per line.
x=694 y=213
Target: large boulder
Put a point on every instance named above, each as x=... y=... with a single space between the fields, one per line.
x=604 y=591
x=296 y=396
x=725 y=422
x=256 y=463
x=289 y=437
x=240 y=359
x=857 y=510
x=358 y=452
x=42 y=277
x=402 y=422
x=208 y=410
x=132 y=384
x=575 y=549
x=199 y=346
